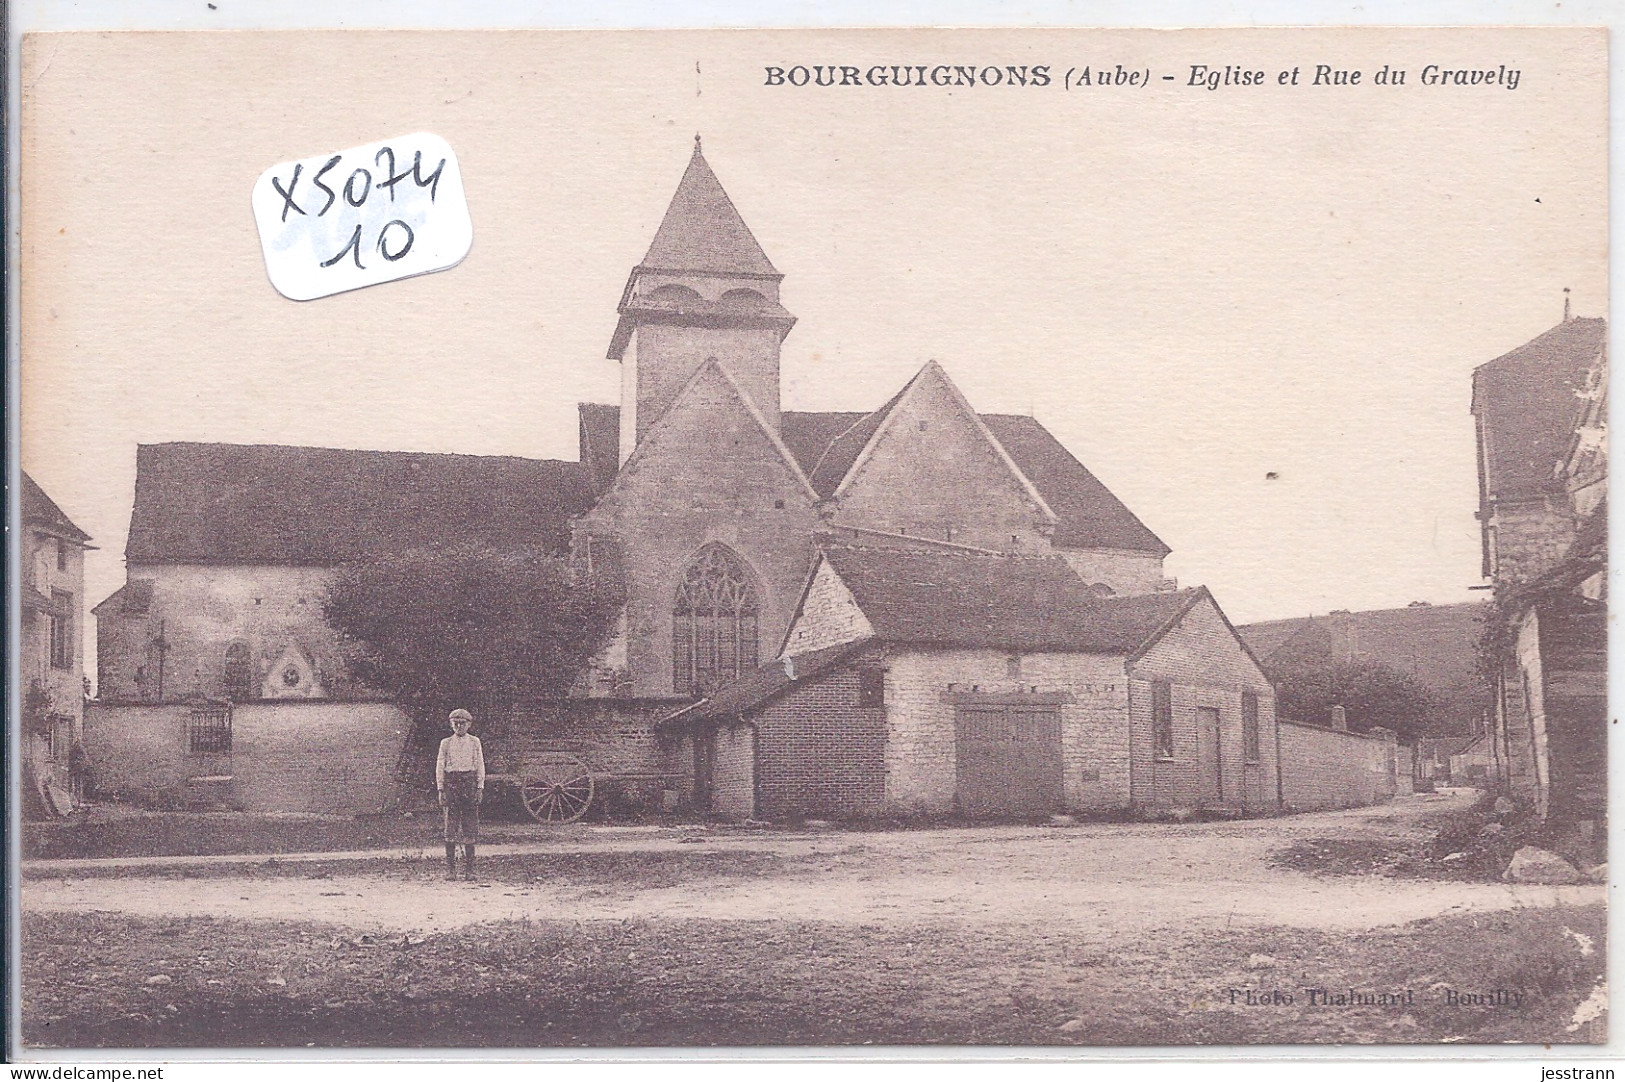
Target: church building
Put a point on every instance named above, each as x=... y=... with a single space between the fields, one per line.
x=735 y=522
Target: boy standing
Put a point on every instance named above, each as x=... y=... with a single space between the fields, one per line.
x=459 y=775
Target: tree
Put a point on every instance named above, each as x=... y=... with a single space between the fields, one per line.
x=470 y=626
x=1371 y=694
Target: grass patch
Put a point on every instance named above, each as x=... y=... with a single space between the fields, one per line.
x=91 y=980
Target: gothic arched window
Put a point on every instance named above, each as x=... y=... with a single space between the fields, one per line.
x=240 y=682
x=713 y=623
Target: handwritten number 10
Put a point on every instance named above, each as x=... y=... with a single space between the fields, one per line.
x=353 y=245
x=361 y=181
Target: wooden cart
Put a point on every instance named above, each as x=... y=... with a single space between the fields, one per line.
x=557 y=785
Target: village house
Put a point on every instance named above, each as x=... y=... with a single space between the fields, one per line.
x=51 y=664
x=1541 y=413
x=934 y=682
x=721 y=509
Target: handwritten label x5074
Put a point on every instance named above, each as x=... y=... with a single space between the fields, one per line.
x=369 y=214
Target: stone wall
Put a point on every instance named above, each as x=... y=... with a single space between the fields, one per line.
x=706 y=473
x=920 y=737
x=829 y=616
x=198 y=612
x=1124 y=572
x=291 y=756
x=1327 y=768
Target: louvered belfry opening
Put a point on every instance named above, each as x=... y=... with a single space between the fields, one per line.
x=714 y=623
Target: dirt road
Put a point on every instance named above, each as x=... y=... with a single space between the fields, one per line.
x=1112 y=878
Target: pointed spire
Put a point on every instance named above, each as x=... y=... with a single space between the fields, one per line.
x=702 y=231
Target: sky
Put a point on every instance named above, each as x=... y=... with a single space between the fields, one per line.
x=1252 y=311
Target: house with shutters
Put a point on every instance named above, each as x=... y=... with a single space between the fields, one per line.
x=734 y=521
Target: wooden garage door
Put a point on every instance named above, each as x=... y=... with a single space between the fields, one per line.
x=1008 y=759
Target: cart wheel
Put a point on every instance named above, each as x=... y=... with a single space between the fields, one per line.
x=556 y=788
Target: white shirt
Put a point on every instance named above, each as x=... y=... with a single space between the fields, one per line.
x=460 y=753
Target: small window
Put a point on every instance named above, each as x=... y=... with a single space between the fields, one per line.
x=1249 y=725
x=871 y=689
x=61 y=554
x=1162 y=719
x=209 y=729
x=61 y=630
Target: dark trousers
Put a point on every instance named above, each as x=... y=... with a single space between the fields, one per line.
x=462 y=807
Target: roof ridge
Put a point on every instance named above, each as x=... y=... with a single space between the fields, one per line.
x=357 y=450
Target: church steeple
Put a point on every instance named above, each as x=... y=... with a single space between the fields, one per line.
x=704 y=289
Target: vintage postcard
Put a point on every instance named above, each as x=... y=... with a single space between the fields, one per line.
x=621 y=539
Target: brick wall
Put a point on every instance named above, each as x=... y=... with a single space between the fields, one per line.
x=829 y=616
x=1325 y=768
x=733 y=773
x=920 y=754
x=1205 y=666
x=293 y=756
x=818 y=754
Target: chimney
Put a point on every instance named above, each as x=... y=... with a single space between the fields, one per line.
x=1340 y=719
x=1565 y=304
x=790 y=667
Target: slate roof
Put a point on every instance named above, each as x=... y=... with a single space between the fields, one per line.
x=702 y=231
x=767 y=682
x=1527 y=402
x=1089 y=515
x=38 y=509
x=319 y=506
x=933 y=598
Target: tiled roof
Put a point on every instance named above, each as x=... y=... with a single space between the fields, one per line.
x=318 y=506
x=1090 y=516
x=808 y=435
x=134 y=598
x=39 y=509
x=836 y=459
x=1527 y=402
x=768 y=682
x=703 y=232
x=996 y=602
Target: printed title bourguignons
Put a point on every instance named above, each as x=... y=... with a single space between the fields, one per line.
x=1202 y=76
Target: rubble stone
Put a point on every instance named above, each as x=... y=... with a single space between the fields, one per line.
x=1534 y=865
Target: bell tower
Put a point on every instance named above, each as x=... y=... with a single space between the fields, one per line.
x=705 y=289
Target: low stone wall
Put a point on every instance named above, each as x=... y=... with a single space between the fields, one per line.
x=285 y=756
x=1329 y=768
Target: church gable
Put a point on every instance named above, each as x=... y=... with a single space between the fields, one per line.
x=710 y=476
x=931 y=469
x=711 y=450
